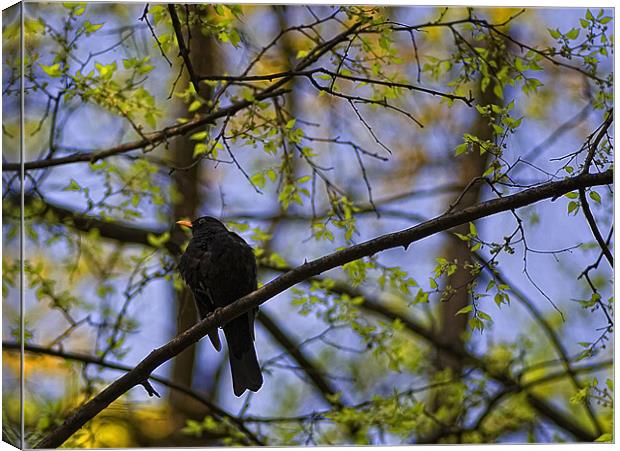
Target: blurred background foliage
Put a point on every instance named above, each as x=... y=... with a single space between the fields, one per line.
x=309 y=129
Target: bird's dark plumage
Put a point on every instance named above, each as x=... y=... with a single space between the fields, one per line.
x=220 y=267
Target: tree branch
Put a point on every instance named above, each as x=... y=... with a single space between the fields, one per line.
x=592 y=150
x=183 y=50
x=510 y=383
x=500 y=395
x=224 y=315
x=114 y=230
x=549 y=332
x=320 y=70
x=154 y=138
x=150 y=139
x=595 y=231
x=322 y=385
x=85 y=358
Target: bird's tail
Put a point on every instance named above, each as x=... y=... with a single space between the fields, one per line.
x=246 y=373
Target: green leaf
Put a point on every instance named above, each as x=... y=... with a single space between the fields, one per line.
x=223 y=36
x=573 y=33
x=200 y=148
x=421 y=297
x=606 y=437
x=555 y=34
x=258 y=179
x=194 y=106
x=595 y=196
x=461 y=148
x=34 y=25
x=488 y=171
x=579 y=396
x=572 y=206
x=498 y=90
x=72 y=186
x=199 y=136
x=464 y=310
x=484 y=83
x=490 y=285
x=572 y=195
x=482 y=109
x=234 y=37
x=605 y=20
x=584 y=23
x=53 y=71
x=290 y=124
x=499 y=299
x=91 y=27
x=150 y=119
x=472 y=229
x=484 y=316
x=106 y=70
x=145 y=68
x=158 y=241
x=589 y=16
x=519 y=65
x=476 y=323
x=272 y=175
x=532 y=85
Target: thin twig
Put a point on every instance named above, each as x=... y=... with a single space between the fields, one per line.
x=87 y=359
x=183 y=50
x=595 y=231
x=145 y=18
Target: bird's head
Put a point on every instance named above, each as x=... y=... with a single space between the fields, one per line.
x=203 y=225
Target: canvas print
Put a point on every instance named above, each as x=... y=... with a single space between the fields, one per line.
x=299 y=225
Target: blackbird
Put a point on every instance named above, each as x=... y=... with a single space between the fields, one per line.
x=219 y=267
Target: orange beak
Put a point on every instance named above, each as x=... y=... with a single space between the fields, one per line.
x=185 y=223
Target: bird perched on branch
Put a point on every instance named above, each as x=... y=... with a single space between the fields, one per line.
x=220 y=267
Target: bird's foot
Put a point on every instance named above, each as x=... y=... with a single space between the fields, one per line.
x=149 y=388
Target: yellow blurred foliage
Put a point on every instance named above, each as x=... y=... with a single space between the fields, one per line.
x=10 y=360
x=155 y=422
x=501 y=15
x=107 y=432
x=122 y=424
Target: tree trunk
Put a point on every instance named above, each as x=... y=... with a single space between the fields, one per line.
x=453 y=326
x=186 y=204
